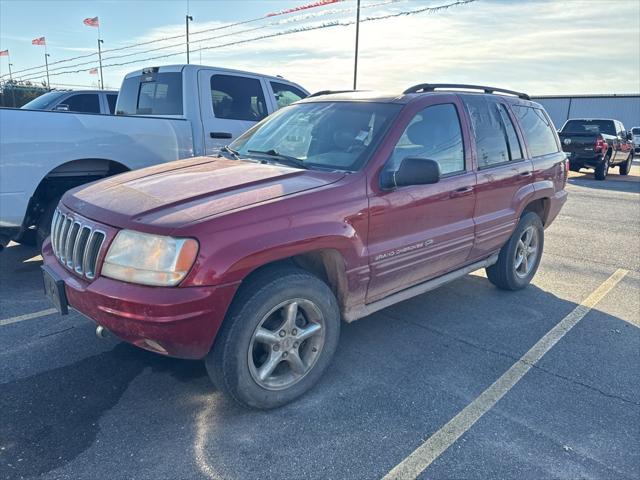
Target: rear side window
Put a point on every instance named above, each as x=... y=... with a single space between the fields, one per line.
x=85 y=103
x=286 y=94
x=515 y=150
x=488 y=126
x=538 y=130
x=434 y=133
x=111 y=100
x=237 y=98
x=151 y=94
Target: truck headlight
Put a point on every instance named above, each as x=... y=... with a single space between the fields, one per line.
x=149 y=259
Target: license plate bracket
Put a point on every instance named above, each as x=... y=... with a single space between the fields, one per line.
x=54 y=290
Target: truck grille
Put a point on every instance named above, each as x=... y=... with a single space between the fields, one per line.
x=75 y=244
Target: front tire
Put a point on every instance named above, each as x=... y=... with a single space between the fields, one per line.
x=277 y=340
x=43 y=227
x=519 y=258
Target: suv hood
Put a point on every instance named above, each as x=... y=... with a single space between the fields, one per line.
x=176 y=193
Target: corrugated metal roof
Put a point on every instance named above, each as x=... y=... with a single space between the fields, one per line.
x=625 y=108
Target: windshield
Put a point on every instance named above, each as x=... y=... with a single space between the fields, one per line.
x=590 y=126
x=332 y=135
x=43 y=101
x=635 y=130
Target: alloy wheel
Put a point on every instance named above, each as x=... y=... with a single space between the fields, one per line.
x=286 y=344
x=526 y=253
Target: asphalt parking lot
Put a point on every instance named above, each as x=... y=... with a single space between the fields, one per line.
x=411 y=390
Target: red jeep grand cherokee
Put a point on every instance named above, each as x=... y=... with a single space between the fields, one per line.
x=334 y=207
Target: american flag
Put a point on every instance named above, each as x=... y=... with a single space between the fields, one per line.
x=91 y=22
x=93 y=71
x=38 y=41
x=4 y=53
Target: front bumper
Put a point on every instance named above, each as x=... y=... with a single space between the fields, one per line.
x=174 y=321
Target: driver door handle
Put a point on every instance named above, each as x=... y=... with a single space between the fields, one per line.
x=220 y=135
x=461 y=192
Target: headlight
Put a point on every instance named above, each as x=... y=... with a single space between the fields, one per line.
x=149 y=259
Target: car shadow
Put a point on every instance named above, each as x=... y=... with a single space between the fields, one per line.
x=49 y=418
x=614 y=184
x=397 y=375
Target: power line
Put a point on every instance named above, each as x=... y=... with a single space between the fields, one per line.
x=333 y=23
x=221 y=27
x=200 y=32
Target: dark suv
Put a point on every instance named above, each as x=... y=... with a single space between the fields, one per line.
x=332 y=208
x=597 y=143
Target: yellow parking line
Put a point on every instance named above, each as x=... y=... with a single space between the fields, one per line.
x=28 y=316
x=434 y=446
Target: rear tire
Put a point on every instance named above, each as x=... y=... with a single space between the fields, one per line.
x=519 y=258
x=277 y=339
x=602 y=169
x=625 y=167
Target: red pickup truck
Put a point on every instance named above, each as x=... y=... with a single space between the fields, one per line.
x=332 y=208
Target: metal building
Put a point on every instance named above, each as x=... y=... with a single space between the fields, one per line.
x=624 y=107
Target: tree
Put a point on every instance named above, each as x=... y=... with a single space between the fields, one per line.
x=15 y=93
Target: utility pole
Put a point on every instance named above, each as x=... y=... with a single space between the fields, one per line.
x=355 y=62
x=187 y=19
x=100 y=61
x=13 y=86
x=46 y=63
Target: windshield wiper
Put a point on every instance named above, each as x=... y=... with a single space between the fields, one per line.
x=286 y=159
x=235 y=155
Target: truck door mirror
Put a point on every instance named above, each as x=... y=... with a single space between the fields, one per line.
x=412 y=171
x=629 y=136
x=63 y=107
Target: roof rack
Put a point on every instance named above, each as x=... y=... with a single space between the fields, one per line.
x=431 y=87
x=327 y=92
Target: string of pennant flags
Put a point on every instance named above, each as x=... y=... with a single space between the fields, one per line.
x=296 y=19
x=95 y=22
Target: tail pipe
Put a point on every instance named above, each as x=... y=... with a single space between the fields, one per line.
x=101 y=332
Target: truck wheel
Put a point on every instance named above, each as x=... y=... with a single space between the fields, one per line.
x=519 y=258
x=602 y=169
x=43 y=227
x=278 y=338
x=625 y=167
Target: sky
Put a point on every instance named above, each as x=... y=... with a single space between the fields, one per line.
x=541 y=47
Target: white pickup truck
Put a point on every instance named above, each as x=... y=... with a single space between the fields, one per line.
x=162 y=114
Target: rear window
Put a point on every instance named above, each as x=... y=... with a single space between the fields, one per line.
x=635 y=130
x=151 y=94
x=538 y=130
x=590 y=126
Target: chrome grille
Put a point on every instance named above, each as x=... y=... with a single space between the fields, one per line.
x=75 y=244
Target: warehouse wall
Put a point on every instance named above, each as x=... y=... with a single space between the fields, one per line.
x=625 y=108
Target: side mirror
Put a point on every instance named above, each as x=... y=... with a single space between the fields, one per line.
x=629 y=136
x=63 y=107
x=412 y=171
